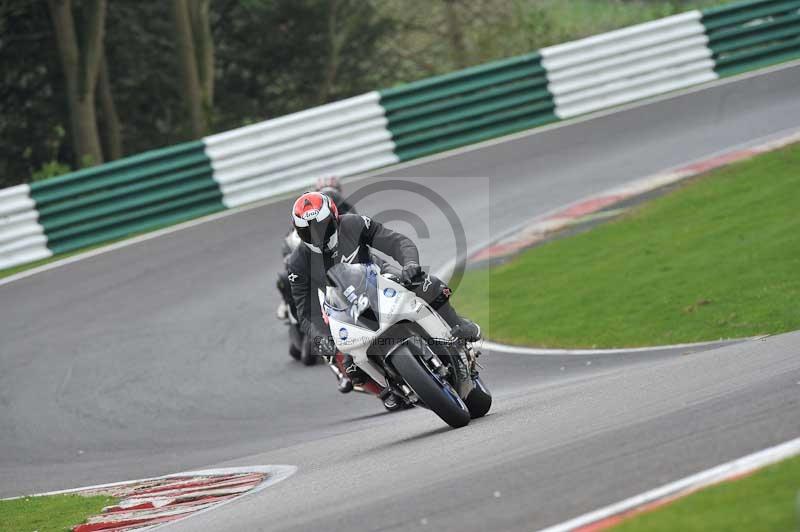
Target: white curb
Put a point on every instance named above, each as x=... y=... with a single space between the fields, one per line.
x=686 y=485
x=543 y=351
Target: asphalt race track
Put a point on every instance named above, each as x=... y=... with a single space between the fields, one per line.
x=165 y=356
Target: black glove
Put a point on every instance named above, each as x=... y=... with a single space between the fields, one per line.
x=325 y=347
x=410 y=273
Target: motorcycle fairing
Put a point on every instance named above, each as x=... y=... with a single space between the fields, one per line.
x=394 y=302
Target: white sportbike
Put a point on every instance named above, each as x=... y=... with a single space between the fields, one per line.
x=402 y=343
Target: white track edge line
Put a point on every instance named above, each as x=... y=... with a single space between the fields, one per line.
x=745 y=464
x=544 y=351
x=408 y=164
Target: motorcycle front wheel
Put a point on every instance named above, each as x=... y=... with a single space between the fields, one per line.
x=437 y=395
x=479 y=400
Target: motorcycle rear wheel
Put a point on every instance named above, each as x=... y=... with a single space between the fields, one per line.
x=308 y=354
x=294 y=352
x=434 y=393
x=296 y=339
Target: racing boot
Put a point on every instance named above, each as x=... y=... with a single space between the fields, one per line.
x=466 y=330
x=460 y=328
x=391 y=402
x=353 y=374
x=345 y=384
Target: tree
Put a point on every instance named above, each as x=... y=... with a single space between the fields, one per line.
x=141 y=60
x=345 y=18
x=195 y=49
x=32 y=118
x=80 y=64
x=455 y=34
x=280 y=56
x=112 y=139
x=264 y=58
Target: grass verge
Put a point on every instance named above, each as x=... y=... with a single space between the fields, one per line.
x=31 y=265
x=52 y=513
x=717 y=258
x=763 y=502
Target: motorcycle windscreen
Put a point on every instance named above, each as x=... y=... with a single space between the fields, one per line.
x=357 y=285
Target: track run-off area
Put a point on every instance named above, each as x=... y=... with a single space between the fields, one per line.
x=164 y=356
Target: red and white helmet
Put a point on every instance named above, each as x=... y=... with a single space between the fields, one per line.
x=316 y=221
x=329 y=182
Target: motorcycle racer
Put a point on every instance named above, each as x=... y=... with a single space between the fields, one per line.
x=331 y=187
x=328 y=238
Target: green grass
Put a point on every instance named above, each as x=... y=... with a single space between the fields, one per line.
x=576 y=19
x=764 y=502
x=496 y=29
x=30 y=265
x=55 y=513
x=717 y=258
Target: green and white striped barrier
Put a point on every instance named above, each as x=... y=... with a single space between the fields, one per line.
x=283 y=154
x=134 y=194
x=21 y=236
x=748 y=35
x=376 y=129
x=468 y=106
x=628 y=64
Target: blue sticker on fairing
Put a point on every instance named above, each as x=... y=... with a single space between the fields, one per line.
x=343 y=334
x=389 y=292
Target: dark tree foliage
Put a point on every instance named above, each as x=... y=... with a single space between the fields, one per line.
x=143 y=71
x=272 y=55
x=33 y=117
x=80 y=33
x=268 y=58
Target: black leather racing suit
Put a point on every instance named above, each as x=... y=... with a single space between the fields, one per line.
x=357 y=234
x=291 y=241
